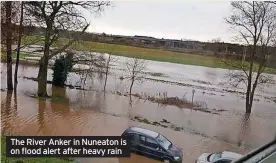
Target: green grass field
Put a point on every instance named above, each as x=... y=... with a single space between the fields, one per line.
x=143 y=53
x=21 y=55
x=4 y=159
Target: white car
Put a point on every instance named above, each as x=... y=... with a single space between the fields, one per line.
x=220 y=157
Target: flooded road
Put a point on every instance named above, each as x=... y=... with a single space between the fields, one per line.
x=92 y=112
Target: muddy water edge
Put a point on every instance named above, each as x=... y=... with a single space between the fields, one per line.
x=73 y=111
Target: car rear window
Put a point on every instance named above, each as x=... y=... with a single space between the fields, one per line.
x=214 y=156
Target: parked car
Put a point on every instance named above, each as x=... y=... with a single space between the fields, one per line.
x=219 y=157
x=153 y=144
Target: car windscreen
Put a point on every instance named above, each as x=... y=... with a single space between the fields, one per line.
x=165 y=143
x=214 y=156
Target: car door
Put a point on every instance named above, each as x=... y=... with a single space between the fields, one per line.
x=134 y=141
x=150 y=148
x=143 y=148
x=153 y=147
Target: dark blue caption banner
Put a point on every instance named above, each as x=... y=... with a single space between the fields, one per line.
x=67 y=146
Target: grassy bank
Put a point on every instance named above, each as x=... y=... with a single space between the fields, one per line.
x=28 y=160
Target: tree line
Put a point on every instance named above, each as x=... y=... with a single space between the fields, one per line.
x=216 y=46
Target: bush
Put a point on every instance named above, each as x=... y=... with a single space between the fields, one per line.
x=61 y=68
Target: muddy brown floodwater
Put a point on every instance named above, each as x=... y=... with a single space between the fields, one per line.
x=94 y=113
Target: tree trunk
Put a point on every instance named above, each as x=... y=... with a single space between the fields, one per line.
x=42 y=74
x=42 y=79
x=18 y=47
x=43 y=64
x=105 y=80
x=252 y=95
x=248 y=91
x=250 y=105
x=106 y=72
x=130 y=88
x=247 y=102
x=9 y=44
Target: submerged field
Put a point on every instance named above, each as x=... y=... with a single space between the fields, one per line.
x=219 y=125
x=161 y=102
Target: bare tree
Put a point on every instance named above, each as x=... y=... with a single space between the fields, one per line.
x=255 y=23
x=8 y=7
x=216 y=40
x=14 y=19
x=110 y=59
x=57 y=16
x=107 y=70
x=134 y=69
x=91 y=62
x=16 y=27
x=107 y=65
x=20 y=31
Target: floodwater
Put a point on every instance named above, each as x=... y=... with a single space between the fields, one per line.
x=92 y=112
x=24 y=115
x=210 y=84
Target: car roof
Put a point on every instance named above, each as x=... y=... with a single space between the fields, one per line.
x=231 y=155
x=143 y=131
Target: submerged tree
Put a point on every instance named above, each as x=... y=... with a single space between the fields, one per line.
x=20 y=32
x=110 y=59
x=57 y=16
x=256 y=24
x=107 y=70
x=11 y=32
x=8 y=23
x=135 y=69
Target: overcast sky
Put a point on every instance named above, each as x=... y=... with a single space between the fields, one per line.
x=196 y=20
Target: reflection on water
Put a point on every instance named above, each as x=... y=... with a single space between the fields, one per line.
x=6 y=109
x=40 y=116
x=59 y=101
x=244 y=130
x=94 y=112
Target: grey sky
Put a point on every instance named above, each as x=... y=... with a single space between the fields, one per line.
x=197 y=20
